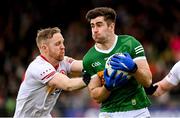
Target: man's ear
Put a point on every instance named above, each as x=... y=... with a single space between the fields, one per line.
x=43 y=47
x=112 y=26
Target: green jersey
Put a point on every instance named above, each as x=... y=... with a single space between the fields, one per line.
x=131 y=96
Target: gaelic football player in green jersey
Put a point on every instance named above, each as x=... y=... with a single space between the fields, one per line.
x=129 y=98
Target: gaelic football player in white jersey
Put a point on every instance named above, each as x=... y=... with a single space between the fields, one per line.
x=169 y=82
x=45 y=77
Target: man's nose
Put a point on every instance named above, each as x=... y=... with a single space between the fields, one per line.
x=62 y=46
x=95 y=29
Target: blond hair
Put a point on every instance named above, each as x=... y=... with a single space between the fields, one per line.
x=44 y=34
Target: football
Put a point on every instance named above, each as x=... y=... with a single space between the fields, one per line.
x=110 y=70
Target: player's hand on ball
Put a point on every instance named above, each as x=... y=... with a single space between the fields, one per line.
x=124 y=63
x=112 y=81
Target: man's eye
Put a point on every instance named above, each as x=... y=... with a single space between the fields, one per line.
x=57 y=44
x=99 y=25
x=92 y=26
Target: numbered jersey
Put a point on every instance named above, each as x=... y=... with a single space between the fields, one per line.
x=35 y=98
x=128 y=97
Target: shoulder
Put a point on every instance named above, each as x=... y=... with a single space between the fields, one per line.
x=38 y=65
x=89 y=54
x=68 y=60
x=126 y=37
x=128 y=40
x=176 y=67
x=131 y=45
x=38 y=61
x=89 y=57
x=177 y=64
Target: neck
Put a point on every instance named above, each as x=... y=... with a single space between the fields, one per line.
x=108 y=43
x=50 y=60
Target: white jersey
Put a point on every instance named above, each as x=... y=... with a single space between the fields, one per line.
x=35 y=98
x=174 y=75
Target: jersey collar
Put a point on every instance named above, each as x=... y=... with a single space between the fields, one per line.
x=110 y=49
x=44 y=58
x=56 y=67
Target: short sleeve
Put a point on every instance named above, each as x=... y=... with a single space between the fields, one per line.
x=41 y=72
x=87 y=64
x=66 y=64
x=137 y=49
x=174 y=75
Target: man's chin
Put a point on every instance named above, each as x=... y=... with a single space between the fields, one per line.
x=61 y=58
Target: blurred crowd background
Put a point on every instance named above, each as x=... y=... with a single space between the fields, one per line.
x=155 y=23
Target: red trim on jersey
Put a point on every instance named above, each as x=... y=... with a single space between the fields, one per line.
x=56 y=67
x=44 y=58
x=50 y=74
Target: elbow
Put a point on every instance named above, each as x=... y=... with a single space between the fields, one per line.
x=148 y=82
x=96 y=99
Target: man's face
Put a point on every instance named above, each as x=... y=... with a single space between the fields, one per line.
x=100 y=29
x=56 y=48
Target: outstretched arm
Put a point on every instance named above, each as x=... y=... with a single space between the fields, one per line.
x=61 y=81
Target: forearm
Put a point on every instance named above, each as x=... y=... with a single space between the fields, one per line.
x=75 y=84
x=144 y=77
x=61 y=81
x=99 y=94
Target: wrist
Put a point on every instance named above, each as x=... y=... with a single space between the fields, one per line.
x=151 y=89
x=86 y=77
x=107 y=87
x=86 y=80
x=135 y=68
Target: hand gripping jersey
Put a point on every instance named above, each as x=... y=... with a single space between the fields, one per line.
x=174 y=75
x=125 y=98
x=35 y=98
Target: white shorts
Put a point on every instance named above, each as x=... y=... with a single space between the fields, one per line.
x=140 y=113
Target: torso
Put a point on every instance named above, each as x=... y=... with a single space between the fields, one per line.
x=35 y=98
x=128 y=97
